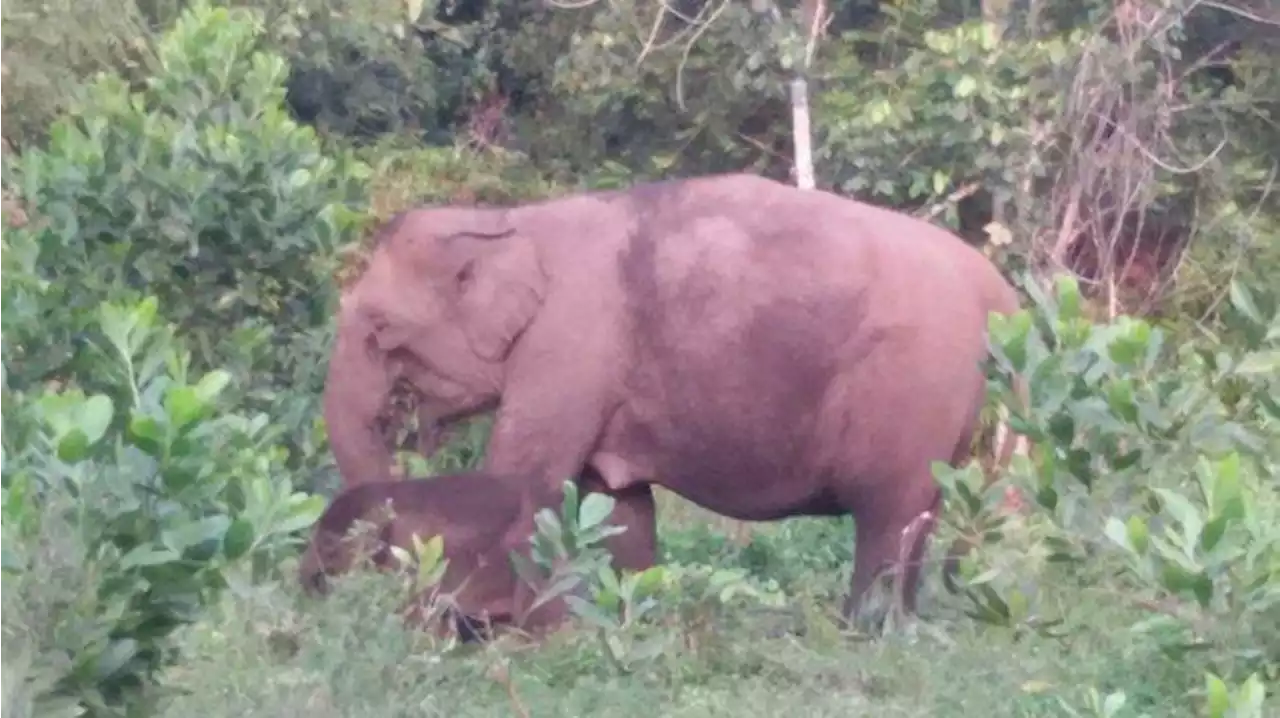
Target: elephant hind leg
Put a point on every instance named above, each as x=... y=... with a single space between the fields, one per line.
x=892 y=536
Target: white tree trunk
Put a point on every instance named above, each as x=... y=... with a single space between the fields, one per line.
x=802 y=135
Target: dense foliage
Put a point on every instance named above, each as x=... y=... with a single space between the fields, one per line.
x=186 y=182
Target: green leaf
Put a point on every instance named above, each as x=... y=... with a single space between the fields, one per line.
x=430 y=553
x=146 y=555
x=650 y=580
x=183 y=406
x=73 y=447
x=1266 y=363
x=147 y=435
x=1113 y=703
x=940 y=181
x=590 y=612
x=1062 y=427
x=1139 y=536
x=965 y=86
x=648 y=649
x=209 y=528
x=304 y=510
x=1184 y=512
x=1217 y=700
x=1213 y=532
x=563 y=585
x=10 y=562
x=569 y=505
x=238 y=539
x=211 y=385
x=1252 y=694
x=1242 y=300
x=1119 y=535
x=115 y=657
x=595 y=509
x=524 y=568
x=95 y=417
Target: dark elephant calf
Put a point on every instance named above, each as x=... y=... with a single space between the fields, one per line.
x=472 y=512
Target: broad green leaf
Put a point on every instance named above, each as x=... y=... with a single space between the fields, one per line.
x=1136 y=530
x=429 y=553
x=211 y=385
x=1184 y=512
x=1062 y=427
x=1217 y=700
x=548 y=526
x=95 y=417
x=1119 y=535
x=1242 y=300
x=73 y=447
x=1066 y=290
x=608 y=579
x=524 y=568
x=595 y=509
x=965 y=86
x=1265 y=363
x=569 y=505
x=590 y=612
x=1251 y=694
x=147 y=555
x=650 y=580
x=940 y=181
x=648 y=649
x=183 y=406
x=209 y=528
x=562 y=585
x=9 y=561
x=238 y=539
x=147 y=434
x=16 y=497
x=117 y=654
x=304 y=510
x=1213 y=532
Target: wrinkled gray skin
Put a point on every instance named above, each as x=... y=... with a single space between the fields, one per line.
x=760 y=350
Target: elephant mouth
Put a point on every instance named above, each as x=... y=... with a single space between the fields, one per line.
x=436 y=430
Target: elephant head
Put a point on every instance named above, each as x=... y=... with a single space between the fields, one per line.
x=445 y=294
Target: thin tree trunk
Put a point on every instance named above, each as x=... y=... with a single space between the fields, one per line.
x=802 y=136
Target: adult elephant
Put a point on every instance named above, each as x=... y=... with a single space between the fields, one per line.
x=760 y=350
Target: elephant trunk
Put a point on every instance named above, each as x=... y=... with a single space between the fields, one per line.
x=357 y=389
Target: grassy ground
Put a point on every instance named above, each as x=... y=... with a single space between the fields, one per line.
x=263 y=654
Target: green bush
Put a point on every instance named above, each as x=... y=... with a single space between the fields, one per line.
x=1157 y=464
x=200 y=188
x=155 y=493
x=363 y=70
x=202 y=191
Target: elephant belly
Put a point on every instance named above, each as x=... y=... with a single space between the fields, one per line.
x=747 y=470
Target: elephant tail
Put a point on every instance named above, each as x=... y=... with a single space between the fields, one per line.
x=1004 y=444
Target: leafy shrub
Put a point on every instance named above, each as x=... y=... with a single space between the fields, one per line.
x=202 y=191
x=1156 y=463
x=363 y=70
x=157 y=495
x=52 y=46
x=200 y=187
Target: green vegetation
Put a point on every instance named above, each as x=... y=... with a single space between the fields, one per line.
x=186 y=183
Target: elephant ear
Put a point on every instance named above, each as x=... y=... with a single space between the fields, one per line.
x=500 y=289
